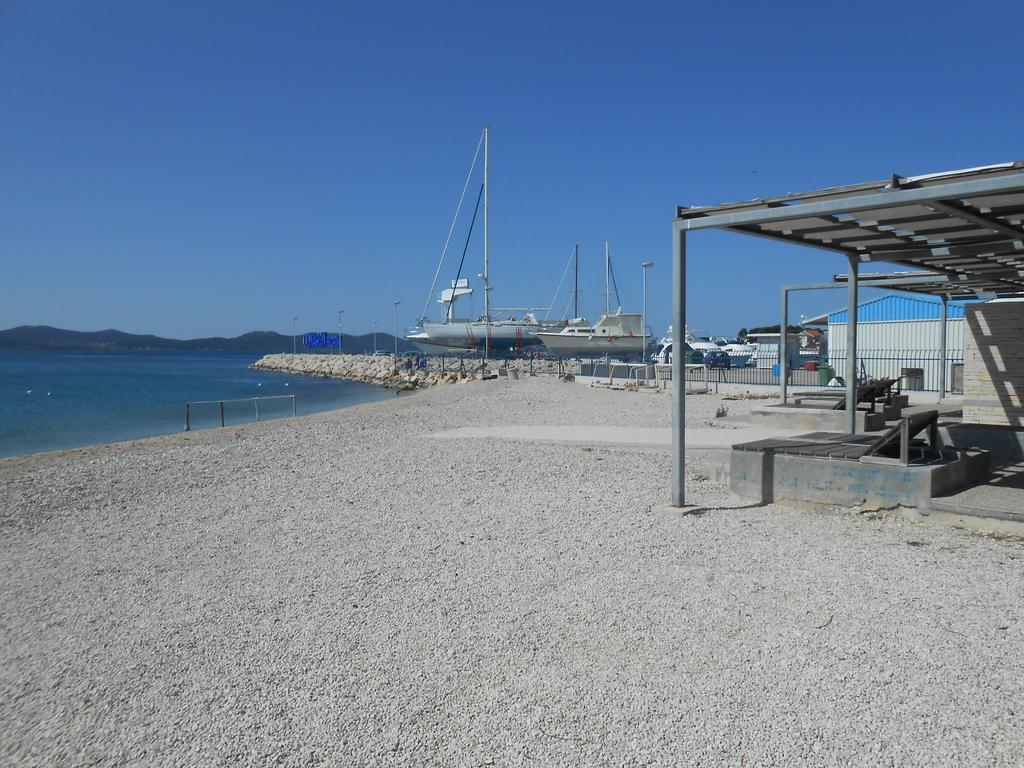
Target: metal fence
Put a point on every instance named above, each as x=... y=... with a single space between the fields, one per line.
x=754 y=376
x=254 y=401
x=916 y=372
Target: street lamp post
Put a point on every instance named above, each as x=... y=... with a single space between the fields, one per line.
x=374 y=337
x=294 y=334
x=645 y=266
x=340 y=313
x=397 y=302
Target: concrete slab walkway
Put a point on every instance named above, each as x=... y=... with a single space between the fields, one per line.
x=658 y=438
x=1001 y=496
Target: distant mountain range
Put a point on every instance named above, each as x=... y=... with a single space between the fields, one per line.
x=46 y=337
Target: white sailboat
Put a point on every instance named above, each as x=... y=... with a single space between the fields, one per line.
x=460 y=335
x=457 y=335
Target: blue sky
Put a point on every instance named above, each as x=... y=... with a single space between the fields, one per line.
x=190 y=169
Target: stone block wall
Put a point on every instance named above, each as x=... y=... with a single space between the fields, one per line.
x=994 y=363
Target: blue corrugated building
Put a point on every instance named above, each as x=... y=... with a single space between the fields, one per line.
x=898 y=336
x=894 y=308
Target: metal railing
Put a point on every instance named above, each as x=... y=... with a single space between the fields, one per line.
x=254 y=400
x=916 y=371
x=660 y=374
x=649 y=374
x=604 y=369
x=751 y=376
x=919 y=370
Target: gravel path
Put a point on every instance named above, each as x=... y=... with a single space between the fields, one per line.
x=334 y=590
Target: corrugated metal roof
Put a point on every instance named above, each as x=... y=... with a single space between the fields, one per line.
x=967 y=225
x=890 y=308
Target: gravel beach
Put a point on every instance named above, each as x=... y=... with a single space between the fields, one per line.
x=348 y=589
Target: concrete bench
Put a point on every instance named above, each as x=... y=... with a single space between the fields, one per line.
x=839 y=468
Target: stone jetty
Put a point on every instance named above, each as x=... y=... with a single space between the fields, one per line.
x=376 y=369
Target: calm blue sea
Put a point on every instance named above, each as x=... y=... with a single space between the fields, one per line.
x=51 y=400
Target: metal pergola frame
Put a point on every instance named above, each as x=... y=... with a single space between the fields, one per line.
x=966 y=228
x=916 y=283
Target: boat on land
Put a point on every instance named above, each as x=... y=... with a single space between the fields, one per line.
x=616 y=335
x=459 y=336
x=619 y=335
x=454 y=335
x=740 y=355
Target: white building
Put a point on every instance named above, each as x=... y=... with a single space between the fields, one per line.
x=767 y=354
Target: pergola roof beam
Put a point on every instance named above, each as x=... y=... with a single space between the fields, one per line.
x=779 y=238
x=976 y=249
x=693 y=218
x=961 y=212
x=1012 y=200
x=929 y=284
x=782 y=200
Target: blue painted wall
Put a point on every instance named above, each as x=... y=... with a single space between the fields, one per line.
x=889 y=308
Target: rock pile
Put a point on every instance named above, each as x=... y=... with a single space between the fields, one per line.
x=369 y=369
x=377 y=369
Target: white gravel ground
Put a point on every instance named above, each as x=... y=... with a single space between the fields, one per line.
x=333 y=590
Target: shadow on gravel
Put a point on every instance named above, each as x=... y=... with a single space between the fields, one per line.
x=701 y=511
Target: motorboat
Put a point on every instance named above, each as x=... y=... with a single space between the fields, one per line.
x=617 y=335
x=620 y=334
x=740 y=355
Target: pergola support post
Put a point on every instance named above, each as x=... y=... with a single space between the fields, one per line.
x=944 y=320
x=851 y=345
x=679 y=367
x=783 y=345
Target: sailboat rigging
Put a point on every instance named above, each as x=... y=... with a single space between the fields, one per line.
x=460 y=335
x=619 y=334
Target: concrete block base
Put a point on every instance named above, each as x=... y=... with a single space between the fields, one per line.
x=1004 y=444
x=891 y=412
x=815 y=419
x=769 y=477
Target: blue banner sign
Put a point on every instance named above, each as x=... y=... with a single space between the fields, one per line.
x=321 y=340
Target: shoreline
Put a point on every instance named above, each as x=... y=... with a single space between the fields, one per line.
x=57 y=401
x=195 y=435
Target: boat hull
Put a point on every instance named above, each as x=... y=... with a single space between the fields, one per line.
x=592 y=346
x=461 y=337
x=424 y=344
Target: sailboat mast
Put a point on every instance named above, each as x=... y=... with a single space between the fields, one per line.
x=607 y=271
x=576 y=286
x=487 y=251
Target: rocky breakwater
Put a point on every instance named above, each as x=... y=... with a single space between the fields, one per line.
x=369 y=369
